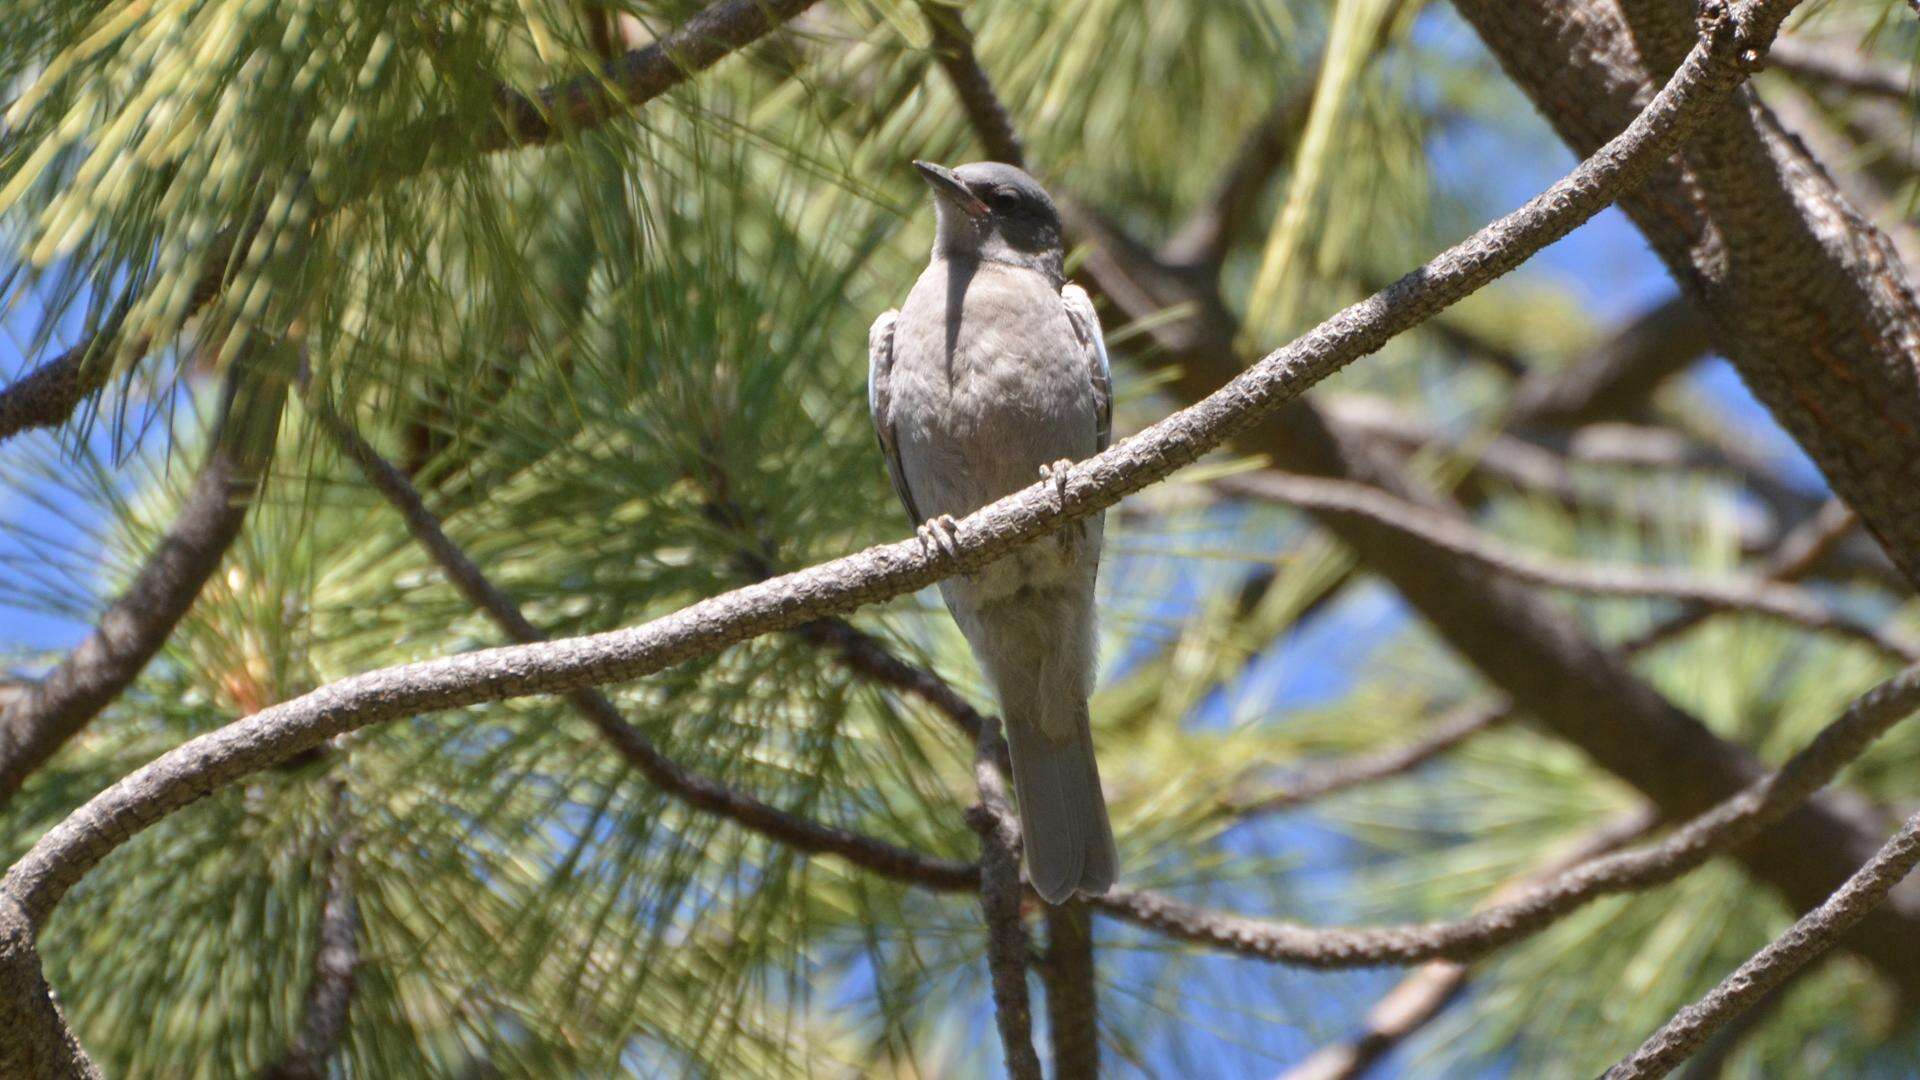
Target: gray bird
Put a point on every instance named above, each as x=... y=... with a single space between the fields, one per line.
x=992 y=372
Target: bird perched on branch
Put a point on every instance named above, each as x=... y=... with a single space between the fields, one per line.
x=991 y=374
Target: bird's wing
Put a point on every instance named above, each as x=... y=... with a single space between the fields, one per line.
x=1086 y=326
x=880 y=401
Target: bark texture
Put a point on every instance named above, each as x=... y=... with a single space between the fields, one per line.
x=1805 y=296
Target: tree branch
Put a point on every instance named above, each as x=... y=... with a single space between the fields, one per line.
x=1319 y=780
x=1000 y=899
x=1755 y=595
x=1792 y=559
x=1806 y=298
x=1815 y=932
x=336 y=956
x=1073 y=1014
x=1721 y=828
x=1613 y=380
x=135 y=626
x=1428 y=990
x=953 y=51
x=695 y=789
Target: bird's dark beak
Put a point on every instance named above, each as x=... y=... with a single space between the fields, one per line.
x=947 y=186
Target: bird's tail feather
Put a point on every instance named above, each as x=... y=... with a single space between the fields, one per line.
x=1038 y=651
x=1063 y=815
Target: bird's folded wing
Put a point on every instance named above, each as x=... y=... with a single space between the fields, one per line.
x=880 y=402
x=1086 y=326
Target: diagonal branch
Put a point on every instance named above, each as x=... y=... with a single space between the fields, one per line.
x=47 y=396
x=1758 y=596
x=138 y=622
x=1428 y=990
x=695 y=789
x=1330 y=778
x=953 y=51
x=1721 y=828
x=1815 y=932
x=1611 y=381
x=1000 y=897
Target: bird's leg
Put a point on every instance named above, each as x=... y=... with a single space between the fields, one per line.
x=940 y=537
x=1057 y=473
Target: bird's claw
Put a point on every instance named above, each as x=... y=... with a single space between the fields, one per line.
x=1057 y=472
x=940 y=537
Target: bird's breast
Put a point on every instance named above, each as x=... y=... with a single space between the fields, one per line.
x=989 y=383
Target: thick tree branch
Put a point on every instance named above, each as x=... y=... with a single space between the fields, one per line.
x=138 y=622
x=1815 y=932
x=1721 y=828
x=1000 y=898
x=47 y=396
x=1753 y=595
x=695 y=789
x=1807 y=298
x=1612 y=381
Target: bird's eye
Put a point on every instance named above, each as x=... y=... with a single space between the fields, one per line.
x=1002 y=198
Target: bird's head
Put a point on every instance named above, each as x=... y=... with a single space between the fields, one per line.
x=994 y=211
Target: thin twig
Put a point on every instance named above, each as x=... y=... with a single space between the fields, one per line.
x=1814 y=933
x=1758 y=596
x=1724 y=826
x=1842 y=66
x=1318 y=780
x=695 y=789
x=1000 y=898
x=1792 y=559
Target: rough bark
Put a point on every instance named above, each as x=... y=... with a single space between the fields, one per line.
x=1804 y=295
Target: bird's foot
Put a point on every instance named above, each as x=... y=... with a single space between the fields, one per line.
x=940 y=537
x=1057 y=473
